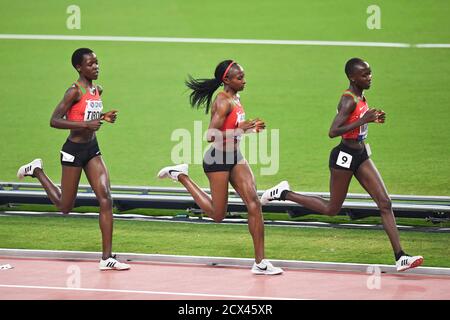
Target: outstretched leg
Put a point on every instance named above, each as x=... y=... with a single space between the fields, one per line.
x=63 y=198
x=215 y=206
x=339 y=183
x=243 y=182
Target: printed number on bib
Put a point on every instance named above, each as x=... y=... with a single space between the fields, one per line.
x=344 y=159
x=93 y=110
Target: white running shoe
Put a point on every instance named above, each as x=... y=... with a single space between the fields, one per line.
x=173 y=171
x=265 y=267
x=28 y=169
x=274 y=193
x=407 y=262
x=112 y=264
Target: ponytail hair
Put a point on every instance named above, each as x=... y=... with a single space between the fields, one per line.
x=203 y=89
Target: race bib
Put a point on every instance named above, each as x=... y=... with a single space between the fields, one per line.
x=240 y=117
x=93 y=110
x=344 y=159
x=67 y=157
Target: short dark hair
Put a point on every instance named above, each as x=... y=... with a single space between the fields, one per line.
x=77 y=56
x=351 y=64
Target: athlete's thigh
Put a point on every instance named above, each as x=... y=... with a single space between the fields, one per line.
x=218 y=184
x=98 y=177
x=243 y=182
x=339 y=183
x=370 y=179
x=70 y=178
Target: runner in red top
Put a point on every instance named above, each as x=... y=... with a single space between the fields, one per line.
x=231 y=123
x=236 y=116
x=359 y=133
x=88 y=108
x=352 y=158
x=80 y=111
x=223 y=163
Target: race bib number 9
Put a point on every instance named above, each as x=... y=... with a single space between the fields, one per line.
x=344 y=160
x=93 y=110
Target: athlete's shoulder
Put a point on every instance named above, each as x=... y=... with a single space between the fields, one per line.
x=223 y=102
x=347 y=94
x=349 y=97
x=73 y=93
x=347 y=102
x=223 y=96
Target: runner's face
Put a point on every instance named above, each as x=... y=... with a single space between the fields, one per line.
x=362 y=76
x=236 y=78
x=89 y=67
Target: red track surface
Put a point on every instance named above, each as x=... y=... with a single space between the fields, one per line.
x=63 y=279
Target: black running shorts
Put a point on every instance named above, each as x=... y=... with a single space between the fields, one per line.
x=78 y=154
x=219 y=160
x=345 y=158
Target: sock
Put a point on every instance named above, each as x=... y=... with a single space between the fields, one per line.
x=283 y=195
x=399 y=254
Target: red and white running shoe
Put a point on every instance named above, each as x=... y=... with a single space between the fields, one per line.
x=407 y=262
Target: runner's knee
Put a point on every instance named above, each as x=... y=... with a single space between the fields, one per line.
x=217 y=215
x=105 y=202
x=65 y=208
x=333 y=210
x=385 y=204
x=254 y=206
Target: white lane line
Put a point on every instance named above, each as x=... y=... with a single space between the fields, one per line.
x=432 y=45
x=223 y=41
x=203 y=40
x=146 y=292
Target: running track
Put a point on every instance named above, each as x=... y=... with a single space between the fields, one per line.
x=49 y=279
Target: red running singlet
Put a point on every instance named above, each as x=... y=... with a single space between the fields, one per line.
x=236 y=116
x=89 y=107
x=361 y=108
